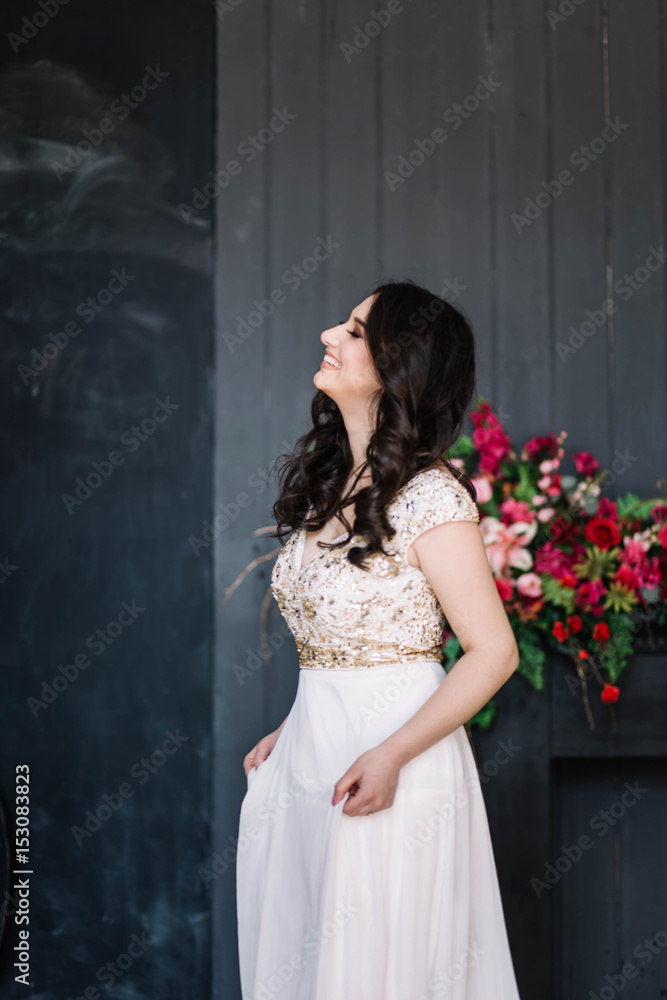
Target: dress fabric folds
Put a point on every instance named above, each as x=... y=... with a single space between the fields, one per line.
x=403 y=904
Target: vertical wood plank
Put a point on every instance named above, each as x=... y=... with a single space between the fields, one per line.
x=637 y=247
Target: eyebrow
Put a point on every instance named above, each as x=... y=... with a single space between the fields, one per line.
x=355 y=319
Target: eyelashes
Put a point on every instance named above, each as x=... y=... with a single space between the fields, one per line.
x=351 y=332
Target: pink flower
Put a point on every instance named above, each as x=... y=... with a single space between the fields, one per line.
x=489 y=438
x=529 y=585
x=551 y=560
x=634 y=549
x=662 y=535
x=545 y=514
x=590 y=594
x=483 y=487
x=506 y=544
x=515 y=510
x=585 y=463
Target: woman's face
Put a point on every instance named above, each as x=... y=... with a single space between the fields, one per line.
x=353 y=378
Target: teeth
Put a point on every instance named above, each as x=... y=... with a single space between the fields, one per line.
x=331 y=361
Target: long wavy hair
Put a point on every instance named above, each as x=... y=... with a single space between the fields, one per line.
x=423 y=351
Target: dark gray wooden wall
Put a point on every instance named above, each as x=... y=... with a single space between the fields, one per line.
x=450 y=222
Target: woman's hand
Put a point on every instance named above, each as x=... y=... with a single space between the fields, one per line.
x=371 y=782
x=261 y=750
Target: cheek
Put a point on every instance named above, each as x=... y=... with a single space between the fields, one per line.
x=360 y=367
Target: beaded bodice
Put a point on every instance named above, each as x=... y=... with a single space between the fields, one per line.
x=342 y=616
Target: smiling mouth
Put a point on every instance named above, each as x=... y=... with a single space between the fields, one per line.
x=330 y=364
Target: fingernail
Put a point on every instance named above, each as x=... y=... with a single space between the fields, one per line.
x=333 y=801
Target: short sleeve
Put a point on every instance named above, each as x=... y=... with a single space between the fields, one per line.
x=433 y=497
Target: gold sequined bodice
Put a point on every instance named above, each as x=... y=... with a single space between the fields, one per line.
x=342 y=616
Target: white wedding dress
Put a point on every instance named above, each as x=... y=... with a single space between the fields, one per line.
x=402 y=904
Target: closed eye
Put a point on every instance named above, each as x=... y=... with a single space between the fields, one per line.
x=351 y=332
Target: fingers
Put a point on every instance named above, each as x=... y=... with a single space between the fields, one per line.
x=345 y=784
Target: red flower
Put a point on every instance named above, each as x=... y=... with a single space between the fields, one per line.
x=575 y=623
x=568 y=580
x=560 y=632
x=660 y=513
x=489 y=438
x=539 y=448
x=607 y=508
x=610 y=693
x=505 y=588
x=601 y=632
x=662 y=535
x=585 y=463
x=583 y=655
x=626 y=576
x=602 y=531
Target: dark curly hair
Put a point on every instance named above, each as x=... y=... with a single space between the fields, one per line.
x=423 y=350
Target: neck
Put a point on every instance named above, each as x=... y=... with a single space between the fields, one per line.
x=359 y=424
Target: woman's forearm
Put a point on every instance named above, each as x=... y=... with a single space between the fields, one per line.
x=469 y=685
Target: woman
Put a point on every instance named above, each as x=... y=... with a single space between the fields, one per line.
x=365 y=869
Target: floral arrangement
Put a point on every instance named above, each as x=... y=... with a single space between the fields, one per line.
x=576 y=571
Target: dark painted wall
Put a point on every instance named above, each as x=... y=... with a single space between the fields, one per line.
x=106 y=460
x=516 y=89
x=327 y=122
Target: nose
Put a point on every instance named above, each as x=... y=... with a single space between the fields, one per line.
x=326 y=337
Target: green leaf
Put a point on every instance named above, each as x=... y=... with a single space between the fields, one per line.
x=617 y=650
x=555 y=593
x=462 y=448
x=526 y=489
x=452 y=650
x=485 y=716
x=633 y=506
x=531 y=657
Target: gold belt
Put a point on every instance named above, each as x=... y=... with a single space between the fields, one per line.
x=316 y=658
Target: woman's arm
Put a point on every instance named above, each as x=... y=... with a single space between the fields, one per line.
x=453 y=559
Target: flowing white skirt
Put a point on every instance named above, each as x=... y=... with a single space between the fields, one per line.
x=402 y=904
